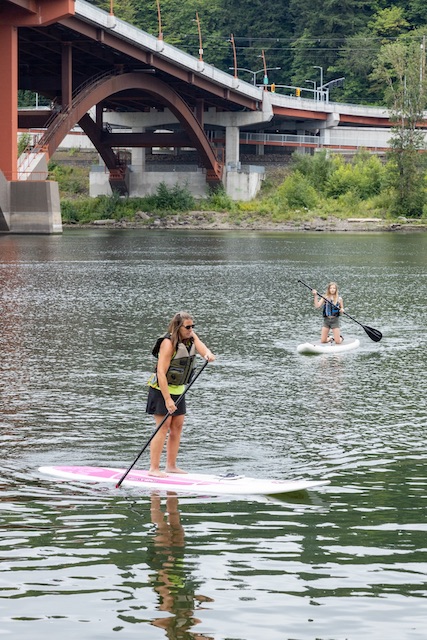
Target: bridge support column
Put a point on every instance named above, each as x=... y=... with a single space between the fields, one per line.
x=9 y=101
x=332 y=121
x=137 y=175
x=232 y=146
x=138 y=153
x=302 y=150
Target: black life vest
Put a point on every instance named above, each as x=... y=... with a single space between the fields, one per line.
x=182 y=364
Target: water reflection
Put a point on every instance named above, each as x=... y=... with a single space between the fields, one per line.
x=171 y=578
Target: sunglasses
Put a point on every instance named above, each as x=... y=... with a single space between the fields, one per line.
x=188 y=326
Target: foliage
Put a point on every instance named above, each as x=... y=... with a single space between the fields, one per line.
x=296 y=192
x=218 y=200
x=31 y=99
x=23 y=142
x=72 y=180
x=116 y=207
x=343 y=37
x=316 y=169
x=363 y=177
x=176 y=198
x=401 y=66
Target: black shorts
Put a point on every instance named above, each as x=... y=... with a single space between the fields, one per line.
x=156 y=404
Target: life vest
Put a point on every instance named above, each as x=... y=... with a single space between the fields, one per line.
x=331 y=309
x=182 y=364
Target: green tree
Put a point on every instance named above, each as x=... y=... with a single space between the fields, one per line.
x=261 y=26
x=360 y=51
x=319 y=35
x=401 y=66
x=180 y=28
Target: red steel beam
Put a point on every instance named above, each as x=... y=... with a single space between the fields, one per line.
x=64 y=122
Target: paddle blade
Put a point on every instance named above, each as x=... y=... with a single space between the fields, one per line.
x=374 y=334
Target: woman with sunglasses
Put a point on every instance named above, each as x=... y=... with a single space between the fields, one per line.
x=176 y=353
x=333 y=307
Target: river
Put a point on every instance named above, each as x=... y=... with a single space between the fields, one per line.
x=79 y=314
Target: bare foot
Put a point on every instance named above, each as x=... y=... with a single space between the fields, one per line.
x=156 y=473
x=175 y=470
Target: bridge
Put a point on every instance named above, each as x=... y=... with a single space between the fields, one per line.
x=127 y=88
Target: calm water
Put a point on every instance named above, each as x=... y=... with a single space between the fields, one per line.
x=79 y=314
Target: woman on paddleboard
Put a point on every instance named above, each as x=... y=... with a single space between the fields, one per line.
x=333 y=307
x=176 y=352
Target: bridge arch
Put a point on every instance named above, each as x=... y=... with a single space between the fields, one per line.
x=99 y=89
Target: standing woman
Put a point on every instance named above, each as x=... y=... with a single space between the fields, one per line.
x=333 y=307
x=176 y=352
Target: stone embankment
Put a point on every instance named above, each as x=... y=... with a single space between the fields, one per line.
x=212 y=220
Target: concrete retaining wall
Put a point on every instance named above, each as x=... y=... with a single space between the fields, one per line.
x=145 y=183
x=4 y=204
x=243 y=185
x=34 y=207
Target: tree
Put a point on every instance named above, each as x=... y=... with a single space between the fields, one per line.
x=319 y=34
x=359 y=53
x=261 y=26
x=401 y=66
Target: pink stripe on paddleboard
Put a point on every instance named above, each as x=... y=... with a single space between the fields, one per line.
x=104 y=473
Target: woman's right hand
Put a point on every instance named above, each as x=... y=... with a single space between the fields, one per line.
x=170 y=406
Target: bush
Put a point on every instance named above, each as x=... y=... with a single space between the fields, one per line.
x=218 y=200
x=364 y=177
x=23 y=142
x=297 y=192
x=316 y=168
x=175 y=199
x=71 y=180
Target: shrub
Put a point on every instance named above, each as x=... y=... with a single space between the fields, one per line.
x=297 y=192
x=23 y=142
x=316 y=168
x=219 y=200
x=175 y=199
x=364 y=177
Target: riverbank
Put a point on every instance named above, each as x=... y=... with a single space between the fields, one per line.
x=214 y=220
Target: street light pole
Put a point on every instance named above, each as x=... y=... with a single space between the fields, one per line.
x=265 y=70
x=159 y=19
x=233 y=44
x=200 y=38
x=321 y=78
x=313 y=82
x=254 y=73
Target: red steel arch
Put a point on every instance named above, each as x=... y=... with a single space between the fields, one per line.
x=92 y=94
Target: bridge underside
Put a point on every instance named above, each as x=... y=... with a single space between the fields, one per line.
x=101 y=89
x=76 y=57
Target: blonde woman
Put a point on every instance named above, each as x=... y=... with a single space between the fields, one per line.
x=176 y=352
x=333 y=307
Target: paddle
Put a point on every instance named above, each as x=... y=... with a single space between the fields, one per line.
x=160 y=425
x=374 y=334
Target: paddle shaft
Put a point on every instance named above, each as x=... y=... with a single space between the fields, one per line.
x=155 y=432
x=374 y=334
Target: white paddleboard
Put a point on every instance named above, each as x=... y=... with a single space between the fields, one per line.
x=195 y=483
x=311 y=348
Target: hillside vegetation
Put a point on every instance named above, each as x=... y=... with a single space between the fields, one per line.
x=310 y=41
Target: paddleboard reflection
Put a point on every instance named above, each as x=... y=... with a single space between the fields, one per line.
x=171 y=572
